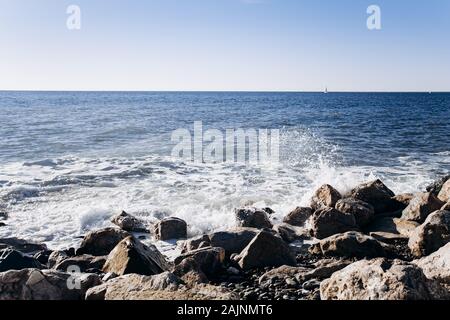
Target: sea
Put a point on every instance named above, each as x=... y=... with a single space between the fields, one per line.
x=69 y=161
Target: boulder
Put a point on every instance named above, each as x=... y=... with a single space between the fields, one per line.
x=129 y=223
x=290 y=233
x=403 y=200
x=436 y=186
x=265 y=250
x=437 y=265
x=86 y=263
x=170 y=228
x=11 y=259
x=233 y=241
x=210 y=260
x=376 y=194
x=444 y=194
x=328 y=221
x=252 y=218
x=362 y=211
x=56 y=257
x=33 y=284
x=21 y=245
x=190 y=272
x=101 y=242
x=421 y=206
x=43 y=256
x=132 y=256
x=381 y=279
x=349 y=244
x=298 y=217
x=392 y=225
x=325 y=196
x=165 y=286
x=433 y=234
x=320 y=270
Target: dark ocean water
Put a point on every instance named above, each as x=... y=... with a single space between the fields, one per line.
x=68 y=160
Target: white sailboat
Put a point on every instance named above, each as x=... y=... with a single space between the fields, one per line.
x=326 y=90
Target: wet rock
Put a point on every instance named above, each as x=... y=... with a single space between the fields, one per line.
x=298 y=217
x=376 y=194
x=433 y=234
x=33 y=284
x=349 y=244
x=328 y=221
x=290 y=233
x=190 y=272
x=43 y=256
x=325 y=196
x=362 y=211
x=132 y=256
x=170 y=228
x=392 y=225
x=83 y=262
x=444 y=194
x=11 y=259
x=2 y=224
x=129 y=223
x=233 y=241
x=421 y=206
x=265 y=250
x=437 y=265
x=22 y=245
x=165 y=286
x=381 y=279
x=252 y=218
x=210 y=260
x=436 y=186
x=3 y=215
x=101 y=242
x=56 y=257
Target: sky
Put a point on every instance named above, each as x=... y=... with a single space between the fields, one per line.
x=225 y=45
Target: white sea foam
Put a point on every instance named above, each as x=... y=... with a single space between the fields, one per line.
x=59 y=200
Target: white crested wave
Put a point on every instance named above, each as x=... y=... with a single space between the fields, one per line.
x=58 y=200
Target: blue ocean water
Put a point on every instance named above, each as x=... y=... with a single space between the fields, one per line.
x=69 y=160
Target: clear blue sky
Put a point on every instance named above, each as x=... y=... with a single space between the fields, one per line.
x=298 y=45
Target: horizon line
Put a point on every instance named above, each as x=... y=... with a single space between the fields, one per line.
x=223 y=91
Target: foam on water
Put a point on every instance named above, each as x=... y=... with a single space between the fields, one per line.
x=58 y=200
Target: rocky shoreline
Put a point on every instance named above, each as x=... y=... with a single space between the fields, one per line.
x=367 y=244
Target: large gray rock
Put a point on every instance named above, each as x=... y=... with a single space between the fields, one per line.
x=101 y=242
x=252 y=218
x=349 y=244
x=298 y=216
x=437 y=265
x=362 y=211
x=421 y=206
x=21 y=245
x=381 y=279
x=210 y=260
x=376 y=194
x=328 y=221
x=325 y=196
x=129 y=223
x=291 y=233
x=132 y=256
x=393 y=226
x=170 y=228
x=444 y=194
x=11 y=259
x=233 y=241
x=433 y=234
x=34 y=284
x=265 y=250
x=165 y=286
x=436 y=186
x=85 y=263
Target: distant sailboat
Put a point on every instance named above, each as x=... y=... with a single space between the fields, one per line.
x=326 y=90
